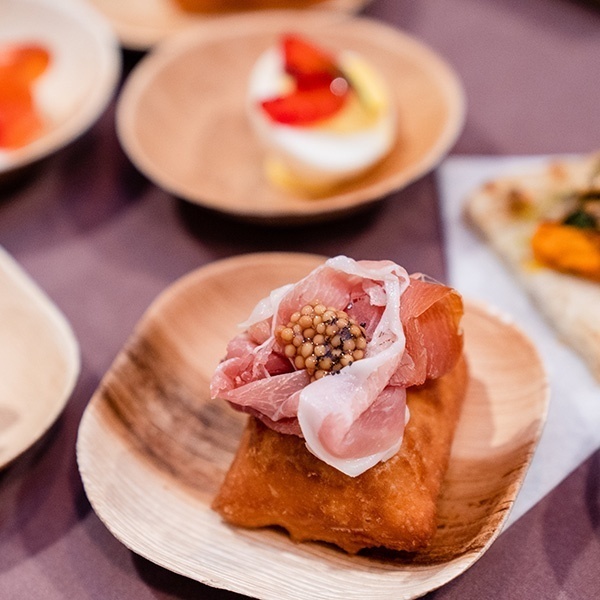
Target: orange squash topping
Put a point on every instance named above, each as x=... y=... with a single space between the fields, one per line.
x=572 y=243
x=569 y=249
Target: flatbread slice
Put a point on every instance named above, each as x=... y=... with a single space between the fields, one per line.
x=508 y=211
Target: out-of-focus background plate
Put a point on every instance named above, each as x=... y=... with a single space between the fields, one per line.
x=142 y=23
x=82 y=75
x=153 y=448
x=182 y=117
x=39 y=361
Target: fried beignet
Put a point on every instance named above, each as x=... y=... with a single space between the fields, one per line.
x=275 y=480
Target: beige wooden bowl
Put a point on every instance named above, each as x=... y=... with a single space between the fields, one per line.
x=182 y=117
x=85 y=64
x=153 y=449
x=39 y=361
x=140 y=24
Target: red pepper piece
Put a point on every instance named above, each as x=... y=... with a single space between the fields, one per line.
x=311 y=67
x=304 y=107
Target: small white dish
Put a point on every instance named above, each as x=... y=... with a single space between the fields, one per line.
x=84 y=69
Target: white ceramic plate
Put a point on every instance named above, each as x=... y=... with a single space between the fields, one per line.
x=39 y=361
x=82 y=75
x=153 y=449
x=201 y=148
x=140 y=24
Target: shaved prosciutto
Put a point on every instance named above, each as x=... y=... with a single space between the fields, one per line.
x=356 y=418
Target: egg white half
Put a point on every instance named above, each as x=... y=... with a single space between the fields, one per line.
x=319 y=156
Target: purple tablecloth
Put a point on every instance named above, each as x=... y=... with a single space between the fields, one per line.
x=103 y=242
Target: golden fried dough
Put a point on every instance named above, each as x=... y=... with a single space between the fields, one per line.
x=275 y=480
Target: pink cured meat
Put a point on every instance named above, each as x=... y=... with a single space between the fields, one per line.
x=355 y=419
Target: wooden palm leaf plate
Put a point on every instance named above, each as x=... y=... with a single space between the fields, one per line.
x=153 y=448
x=39 y=361
x=140 y=24
x=201 y=148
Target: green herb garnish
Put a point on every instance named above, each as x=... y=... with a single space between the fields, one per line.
x=581 y=219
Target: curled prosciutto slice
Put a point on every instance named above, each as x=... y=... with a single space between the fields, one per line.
x=354 y=415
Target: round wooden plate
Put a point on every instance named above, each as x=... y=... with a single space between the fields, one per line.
x=153 y=448
x=140 y=24
x=182 y=118
x=85 y=64
x=39 y=361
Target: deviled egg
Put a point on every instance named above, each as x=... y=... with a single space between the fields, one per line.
x=323 y=118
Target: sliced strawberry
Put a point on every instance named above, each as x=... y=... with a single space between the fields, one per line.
x=310 y=66
x=304 y=107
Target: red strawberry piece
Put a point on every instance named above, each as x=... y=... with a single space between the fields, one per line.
x=304 y=107
x=310 y=66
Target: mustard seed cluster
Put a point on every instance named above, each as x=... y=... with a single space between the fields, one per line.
x=322 y=339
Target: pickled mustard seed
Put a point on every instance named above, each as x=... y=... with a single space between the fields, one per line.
x=322 y=339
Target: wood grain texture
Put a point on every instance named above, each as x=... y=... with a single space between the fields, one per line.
x=39 y=361
x=182 y=115
x=141 y=24
x=153 y=448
